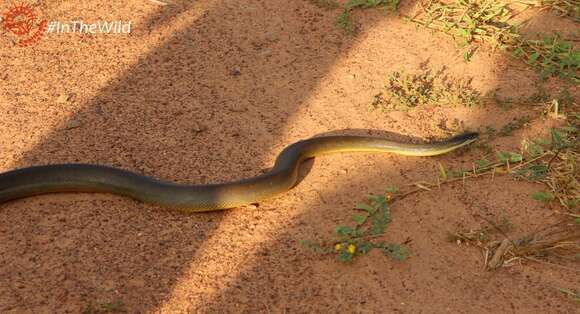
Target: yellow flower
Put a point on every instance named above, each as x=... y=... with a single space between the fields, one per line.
x=338 y=246
x=351 y=248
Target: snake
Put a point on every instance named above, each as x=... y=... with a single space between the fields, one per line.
x=283 y=176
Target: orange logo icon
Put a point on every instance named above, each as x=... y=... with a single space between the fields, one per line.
x=19 y=20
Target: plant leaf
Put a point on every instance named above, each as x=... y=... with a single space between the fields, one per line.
x=343 y=230
x=364 y=248
x=379 y=221
x=392 y=189
x=360 y=219
x=365 y=207
x=395 y=251
x=543 y=196
x=344 y=256
x=533 y=58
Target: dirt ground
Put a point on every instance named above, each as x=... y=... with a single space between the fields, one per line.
x=211 y=91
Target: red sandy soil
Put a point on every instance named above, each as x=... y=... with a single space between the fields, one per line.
x=211 y=91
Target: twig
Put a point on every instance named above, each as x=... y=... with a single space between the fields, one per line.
x=496 y=260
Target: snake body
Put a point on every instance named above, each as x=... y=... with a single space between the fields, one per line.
x=282 y=177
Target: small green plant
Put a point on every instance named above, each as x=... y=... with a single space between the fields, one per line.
x=540 y=96
x=490 y=22
x=344 y=20
x=366 y=4
x=405 y=91
x=509 y=128
x=565 y=98
x=551 y=56
x=327 y=4
x=470 y=21
x=533 y=172
x=117 y=306
x=509 y=157
x=370 y=222
x=543 y=196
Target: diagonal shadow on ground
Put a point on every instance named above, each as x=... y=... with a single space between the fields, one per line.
x=208 y=105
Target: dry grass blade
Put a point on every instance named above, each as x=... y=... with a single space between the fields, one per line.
x=159 y=2
x=568 y=8
x=560 y=241
x=564 y=178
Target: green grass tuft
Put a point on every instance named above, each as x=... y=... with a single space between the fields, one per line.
x=405 y=91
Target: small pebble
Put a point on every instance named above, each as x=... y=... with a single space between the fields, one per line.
x=198 y=128
x=273 y=37
x=267 y=52
x=236 y=71
x=72 y=124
